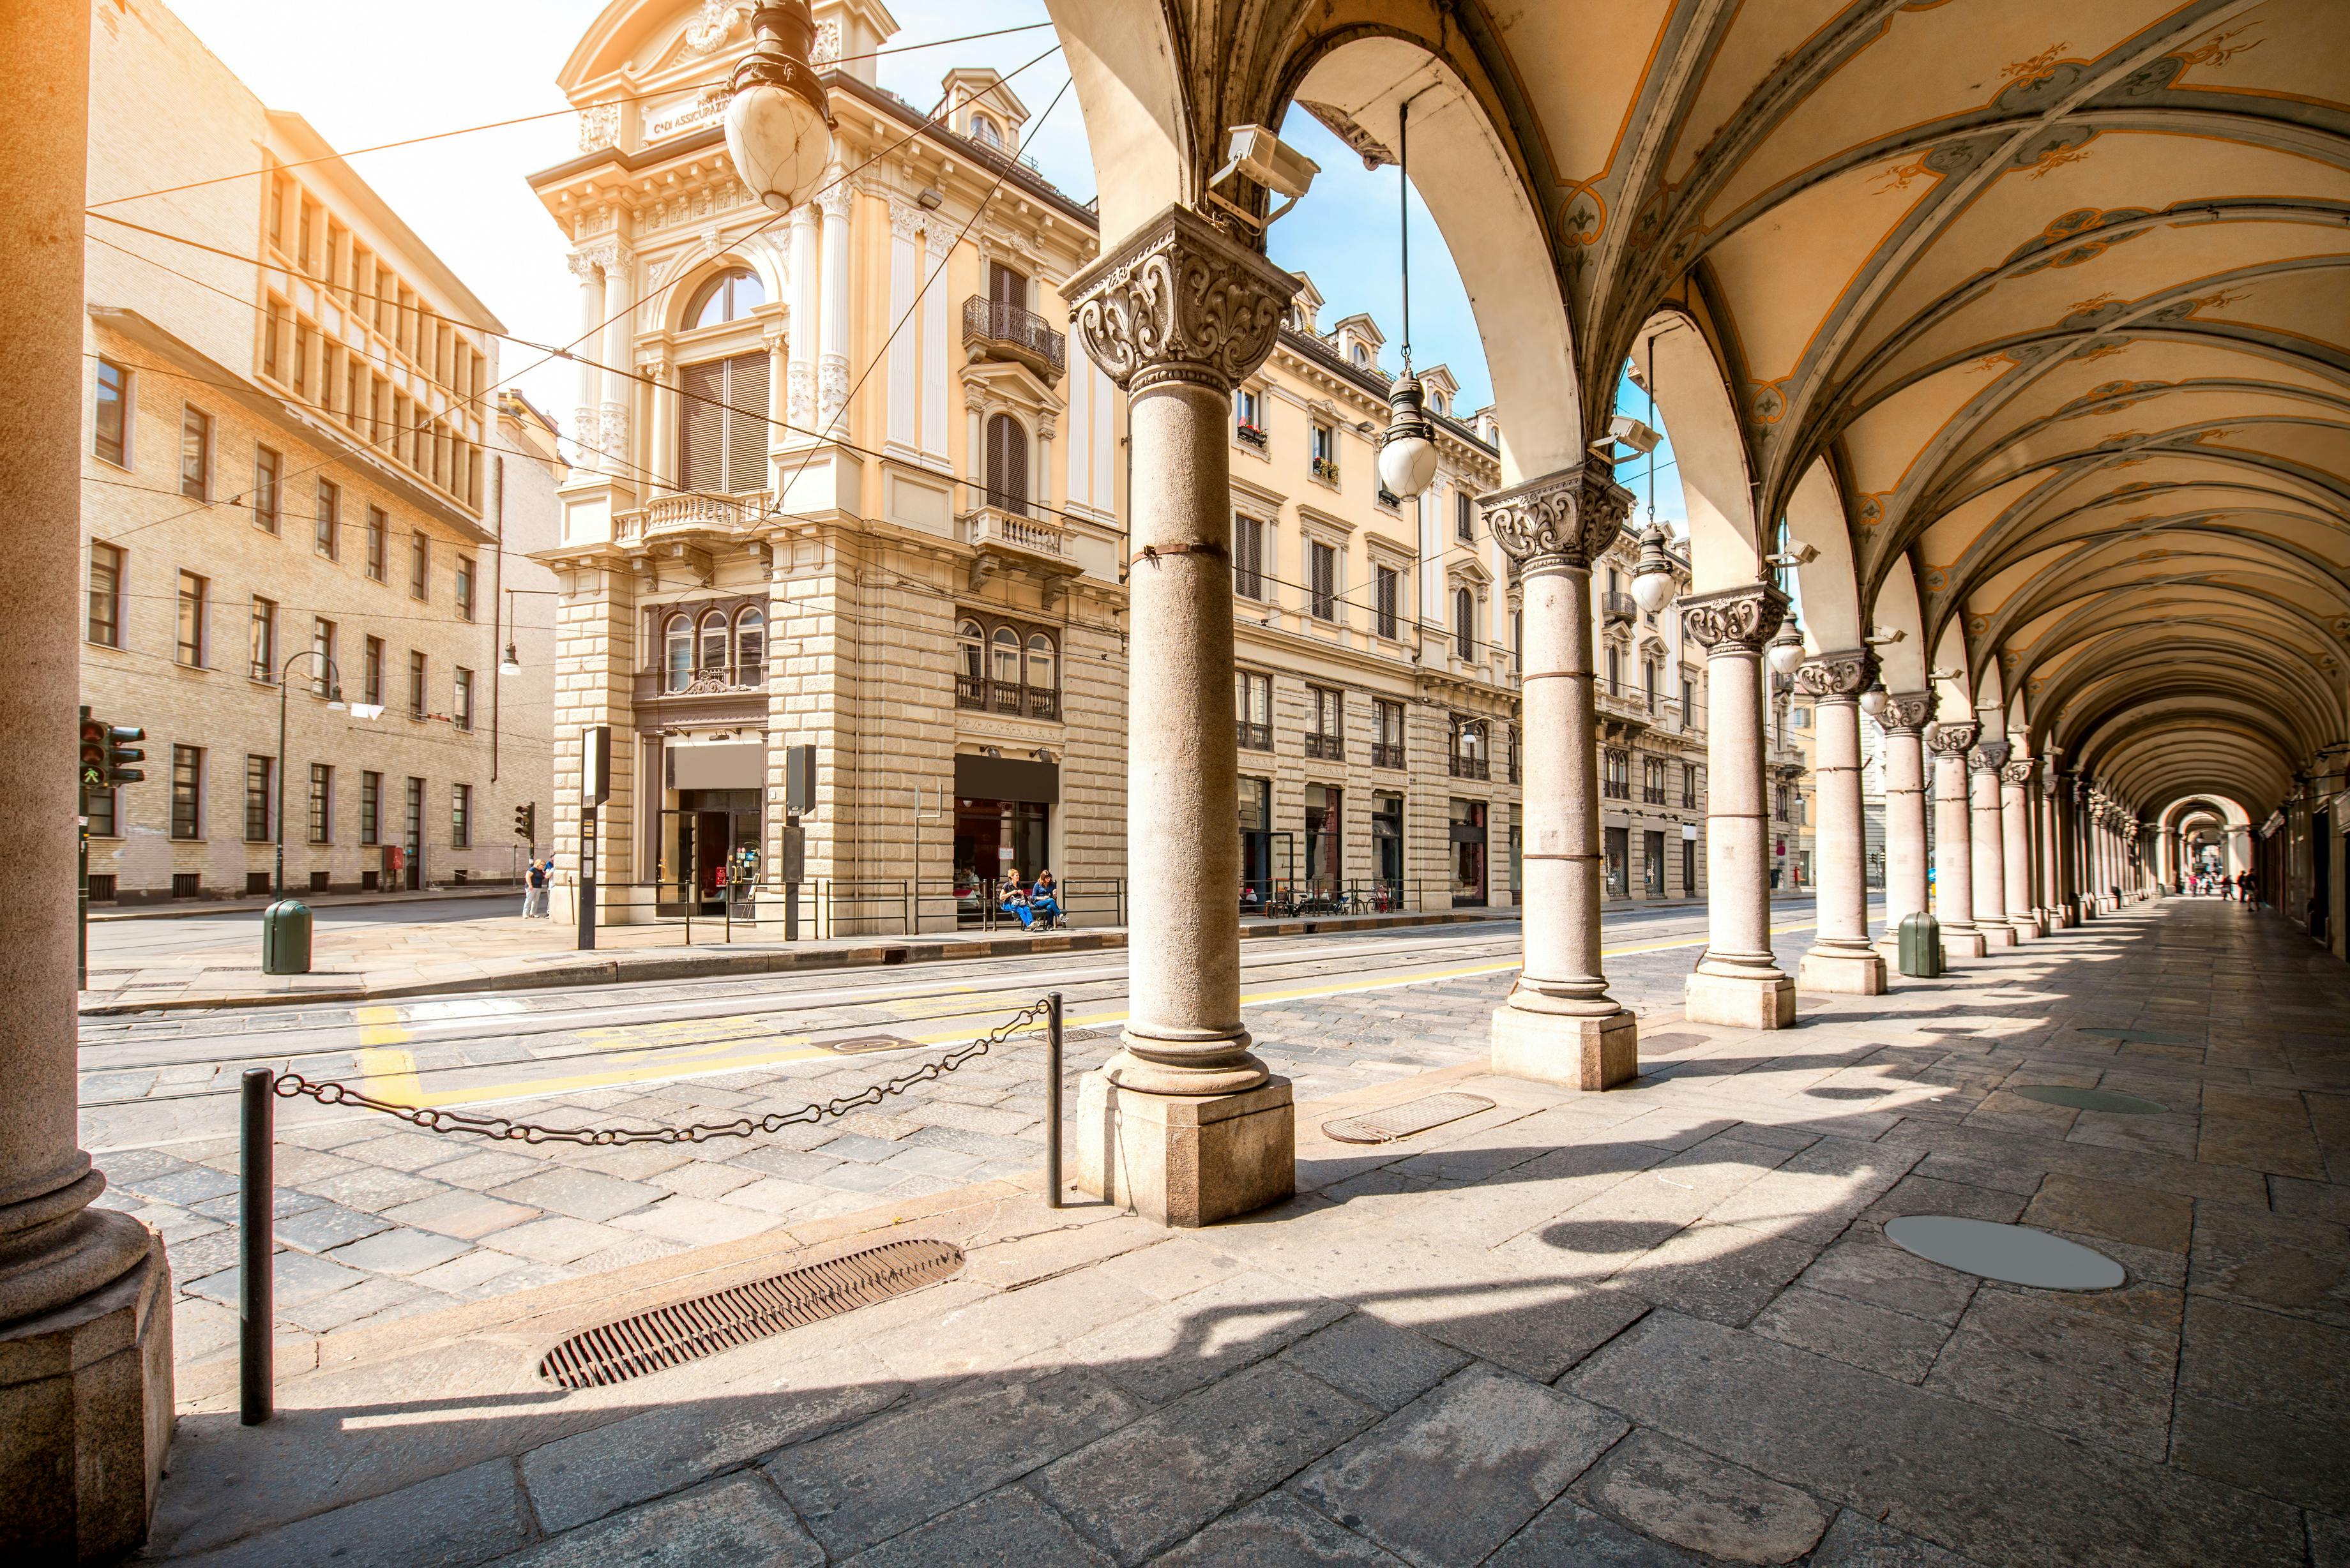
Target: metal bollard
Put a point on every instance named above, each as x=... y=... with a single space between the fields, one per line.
x=1053 y=1100
x=257 y=1238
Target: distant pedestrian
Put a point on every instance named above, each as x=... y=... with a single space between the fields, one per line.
x=2247 y=887
x=535 y=889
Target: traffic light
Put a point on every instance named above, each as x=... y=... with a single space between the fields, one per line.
x=526 y=822
x=120 y=755
x=93 y=751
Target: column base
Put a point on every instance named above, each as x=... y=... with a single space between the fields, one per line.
x=2026 y=928
x=1842 y=972
x=1559 y=1048
x=85 y=1419
x=1965 y=943
x=1996 y=933
x=1187 y=1159
x=1764 y=1001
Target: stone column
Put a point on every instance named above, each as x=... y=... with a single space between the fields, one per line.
x=1954 y=898
x=2016 y=821
x=664 y=430
x=620 y=355
x=832 y=357
x=800 y=373
x=1987 y=836
x=85 y=1292
x=1560 y=1024
x=2076 y=871
x=588 y=417
x=1184 y=1123
x=2045 y=848
x=1905 y=722
x=1840 y=958
x=1738 y=981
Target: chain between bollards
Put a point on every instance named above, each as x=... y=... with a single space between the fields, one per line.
x=1053 y=1099
x=257 y=1238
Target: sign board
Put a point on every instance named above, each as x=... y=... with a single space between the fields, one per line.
x=1689 y=832
x=799 y=779
x=681 y=114
x=596 y=764
x=794 y=855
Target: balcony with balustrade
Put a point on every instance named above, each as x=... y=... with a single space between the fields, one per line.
x=981 y=695
x=1618 y=607
x=1326 y=748
x=699 y=516
x=1004 y=331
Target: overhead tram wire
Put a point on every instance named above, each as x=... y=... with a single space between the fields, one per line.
x=530 y=119
x=593 y=332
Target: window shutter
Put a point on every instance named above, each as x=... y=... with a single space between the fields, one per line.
x=1007 y=465
x=701 y=426
x=746 y=423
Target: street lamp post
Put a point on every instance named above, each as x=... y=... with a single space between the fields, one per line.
x=334 y=702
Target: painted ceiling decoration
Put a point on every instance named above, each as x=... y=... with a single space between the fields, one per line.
x=2059 y=294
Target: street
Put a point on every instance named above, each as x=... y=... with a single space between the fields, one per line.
x=378 y=1220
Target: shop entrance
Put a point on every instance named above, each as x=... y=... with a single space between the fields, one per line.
x=710 y=843
x=1387 y=841
x=1652 y=864
x=1619 y=852
x=1003 y=820
x=1467 y=835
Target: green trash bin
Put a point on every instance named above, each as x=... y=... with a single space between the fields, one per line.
x=1921 y=943
x=286 y=938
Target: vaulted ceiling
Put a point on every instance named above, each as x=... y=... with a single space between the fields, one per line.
x=2059 y=294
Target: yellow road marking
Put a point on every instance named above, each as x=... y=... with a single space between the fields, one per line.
x=389 y=1073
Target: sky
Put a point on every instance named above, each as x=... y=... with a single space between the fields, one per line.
x=466 y=195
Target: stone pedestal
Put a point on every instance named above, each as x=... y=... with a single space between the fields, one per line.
x=1187 y=1159
x=1560 y=1025
x=1183 y=1122
x=1842 y=974
x=1739 y=981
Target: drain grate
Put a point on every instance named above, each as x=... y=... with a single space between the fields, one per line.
x=858 y=1044
x=671 y=1335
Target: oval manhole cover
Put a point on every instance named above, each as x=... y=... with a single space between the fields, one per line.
x=2015 y=1254
x=688 y=1331
x=2112 y=1100
x=1404 y=1120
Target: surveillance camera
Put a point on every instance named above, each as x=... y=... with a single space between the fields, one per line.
x=1255 y=151
x=1628 y=432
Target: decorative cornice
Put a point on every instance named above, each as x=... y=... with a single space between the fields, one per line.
x=1838 y=676
x=1990 y=757
x=1180 y=302
x=1741 y=617
x=1908 y=713
x=1563 y=519
x=1954 y=738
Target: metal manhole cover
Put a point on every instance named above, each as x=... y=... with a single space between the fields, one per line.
x=1839 y=1093
x=667 y=1336
x=2016 y=1253
x=858 y=1044
x=2112 y=1100
x=1404 y=1120
x=2144 y=1036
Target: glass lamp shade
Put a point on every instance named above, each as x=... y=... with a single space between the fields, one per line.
x=1787 y=650
x=778 y=124
x=1407 y=456
x=510 y=664
x=1874 y=700
x=1652 y=578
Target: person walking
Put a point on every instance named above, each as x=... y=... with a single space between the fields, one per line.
x=533 y=893
x=2247 y=889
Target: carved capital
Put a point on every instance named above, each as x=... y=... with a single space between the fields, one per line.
x=1908 y=713
x=833 y=199
x=1988 y=757
x=1178 y=301
x=583 y=266
x=905 y=221
x=2021 y=772
x=1954 y=738
x=1740 y=617
x=1564 y=519
x=1838 y=675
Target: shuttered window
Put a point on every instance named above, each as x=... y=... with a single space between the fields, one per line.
x=1007 y=465
x=721 y=425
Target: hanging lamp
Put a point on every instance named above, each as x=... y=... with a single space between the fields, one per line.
x=1407 y=455
x=778 y=124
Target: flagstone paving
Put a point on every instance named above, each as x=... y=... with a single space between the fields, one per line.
x=1657 y=1326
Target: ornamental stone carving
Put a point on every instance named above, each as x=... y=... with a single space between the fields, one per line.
x=1743 y=618
x=1838 y=675
x=615 y=441
x=599 y=126
x=2020 y=772
x=1178 y=302
x=831 y=386
x=799 y=380
x=1954 y=739
x=906 y=221
x=583 y=266
x=832 y=201
x=1908 y=714
x=1564 y=519
x=1990 y=757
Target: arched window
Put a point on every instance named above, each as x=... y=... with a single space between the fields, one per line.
x=1042 y=674
x=1006 y=669
x=1362 y=355
x=1464 y=624
x=677 y=652
x=972 y=642
x=750 y=648
x=1007 y=465
x=983 y=132
x=728 y=297
x=713 y=660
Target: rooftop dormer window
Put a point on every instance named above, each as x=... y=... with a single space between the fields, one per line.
x=729 y=296
x=984 y=132
x=1362 y=355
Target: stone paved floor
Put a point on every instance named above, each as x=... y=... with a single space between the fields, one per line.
x=1659 y=1326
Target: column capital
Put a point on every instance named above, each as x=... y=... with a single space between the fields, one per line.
x=1740 y=617
x=833 y=199
x=1988 y=757
x=1838 y=676
x=1908 y=713
x=1563 y=519
x=1180 y=301
x=1954 y=738
x=2021 y=772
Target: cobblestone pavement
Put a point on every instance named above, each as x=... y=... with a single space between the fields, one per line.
x=1657 y=1327
x=377 y=1221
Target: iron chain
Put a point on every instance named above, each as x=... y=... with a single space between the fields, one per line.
x=291 y=1085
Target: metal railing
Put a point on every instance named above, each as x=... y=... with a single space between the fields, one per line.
x=1616 y=789
x=1253 y=435
x=997 y=325
x=1387 y=755
x=1329 y=747
x=1253 y=737
x=981 y=694
x=1463 y=767
x=1652 y=795
x=1293 y=897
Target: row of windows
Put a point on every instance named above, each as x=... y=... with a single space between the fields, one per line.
x=267 y=497
x=1007 y=669
x=1616 y=779
x=332 y=380
x=1325 y=590
x=731 y=648
x=190 y=801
